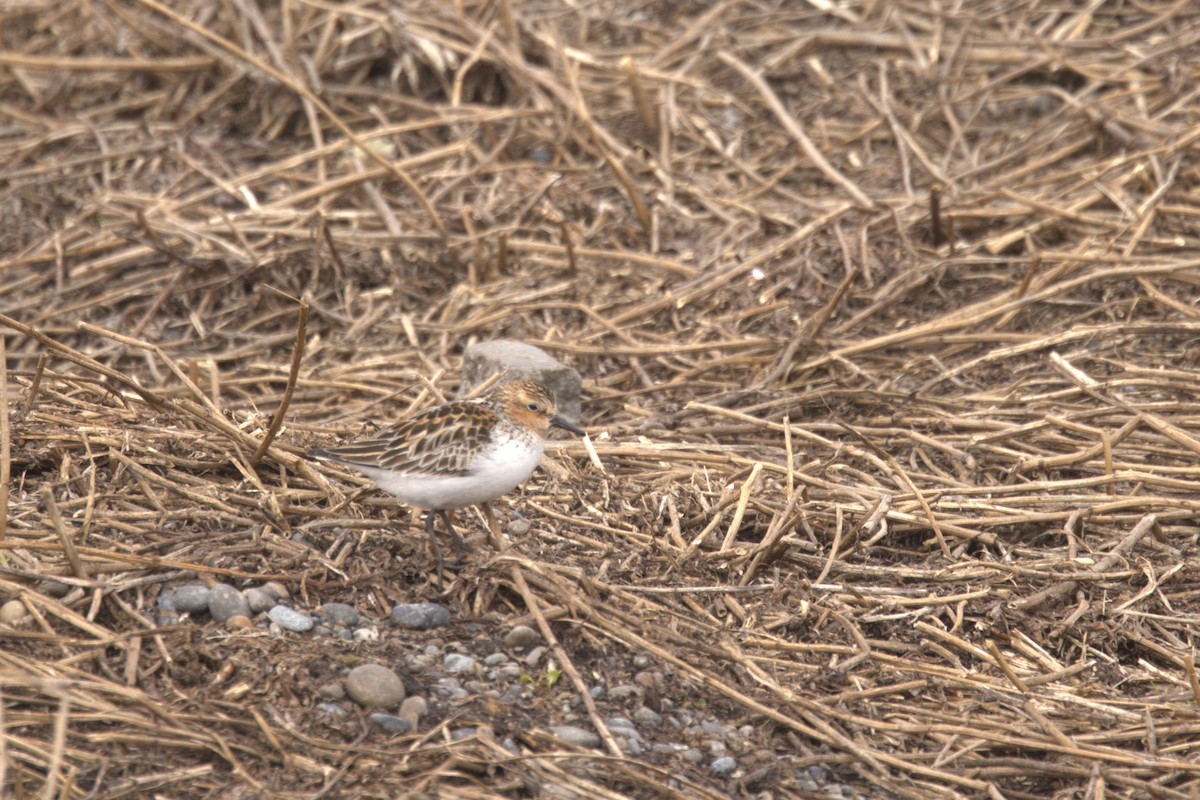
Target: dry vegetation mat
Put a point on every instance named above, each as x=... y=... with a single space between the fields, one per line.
x=888 y=324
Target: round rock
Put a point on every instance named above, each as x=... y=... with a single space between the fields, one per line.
x=290 y=620
x=191 y=598
x=522 y=636
x=225 y=602
x=341 y=614
x=390 y=723
x=420 y=616
x=576 y=736
x=457 y=662
x=12 y=611
x=276 y=590
x=260 y=600
x=724 y=765
x=374 y=685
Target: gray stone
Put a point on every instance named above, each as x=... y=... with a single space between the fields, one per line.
x=277 y=590
x=725 y=765
x=12 y=611
x=260 y=600
x=374 y=685
x=520 y=361
x=54 y=588
x=597 y=692
x=191 y=598
x=457 y=662
x=341 y=614
x=535 y=655
x=495 y=659
x=420 y=616
x=225 y=602
x=576 y=736
x=647 y=716
x=522 y=636
x=623 y=691
x=692 y=755
x=290 y=619
x=389 y=723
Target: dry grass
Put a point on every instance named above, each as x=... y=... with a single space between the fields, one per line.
x=889 y=331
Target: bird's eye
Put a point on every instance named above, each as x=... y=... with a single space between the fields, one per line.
x=533 y=407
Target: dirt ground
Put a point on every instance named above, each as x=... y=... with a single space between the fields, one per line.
x=888 y=324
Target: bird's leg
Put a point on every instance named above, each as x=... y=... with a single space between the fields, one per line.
x=493 y=527
x=460 y=547
x=437 y=551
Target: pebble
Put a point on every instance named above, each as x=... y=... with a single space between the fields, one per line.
x=390 y=723
x=420 y=616
x=647 y=716
x=334 y=690
x=712 y=727
x=535 y=655
x=374 y=685
x=225 y=602
x=519 y=527
x=290 y=619
x=457 y=662
x=623 y=692
x=522 y=636
x=260 y=600
x=597 y=692
x=724 y=766
x=451 y=689
x=54 y=588
x=341 y=614
x=239 y=622
x=495 y=659
x=576 y=736
x=277 y=590
x=12 y=611
x=191 y=598
x=692 y=755
x=364 y=635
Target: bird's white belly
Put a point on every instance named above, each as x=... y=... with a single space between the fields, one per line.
x=497 y=471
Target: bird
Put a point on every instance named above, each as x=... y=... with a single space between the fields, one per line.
x=458 y=454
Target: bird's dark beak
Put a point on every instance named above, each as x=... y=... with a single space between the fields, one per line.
x=559 y=422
